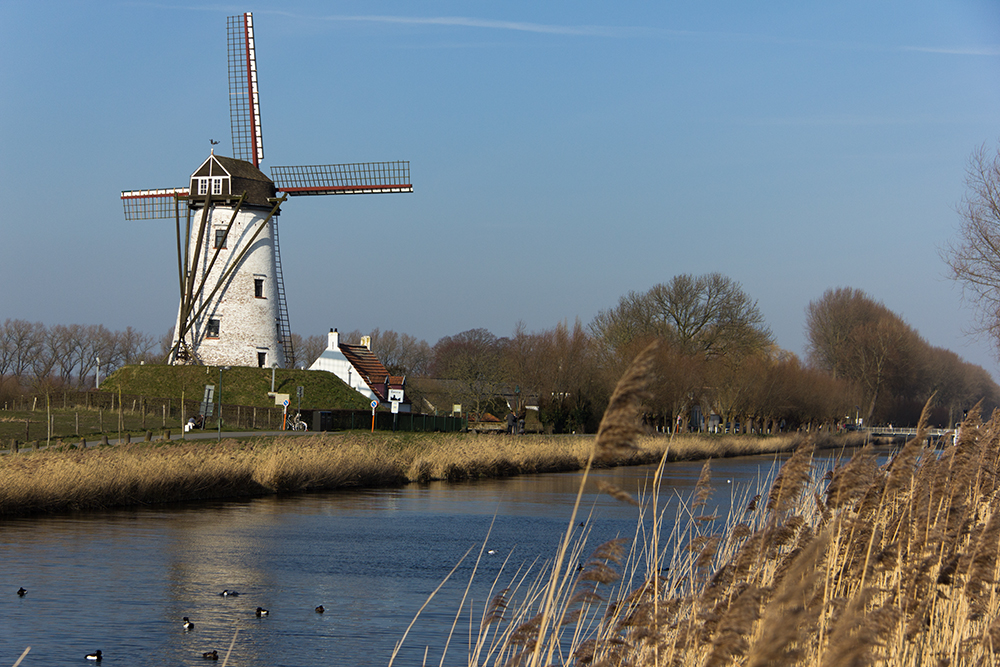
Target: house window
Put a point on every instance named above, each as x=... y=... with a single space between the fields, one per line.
x=258 y=288
x=203 y=186
x=213 y=329
x=220 y=238
x=261 y=359
x=217 y=185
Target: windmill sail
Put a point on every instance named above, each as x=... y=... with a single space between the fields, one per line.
x=152 y=204
x=233 y=309
x=244 y=103
x=344 y=179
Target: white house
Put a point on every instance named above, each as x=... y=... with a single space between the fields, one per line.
x=358 y=366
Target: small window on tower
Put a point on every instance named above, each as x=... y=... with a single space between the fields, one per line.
x=217 y=186
x=261 y=359
x=203 y=186
x=258 y=288
x=213 y=329
x=220 y=238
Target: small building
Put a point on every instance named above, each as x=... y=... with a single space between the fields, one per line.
x=358 y=366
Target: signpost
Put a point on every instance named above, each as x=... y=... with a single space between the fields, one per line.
x=396 y=396
x=374 y=405
x=284 y=414
x=208 y=402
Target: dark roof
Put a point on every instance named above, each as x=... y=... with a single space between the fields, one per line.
x=258 y=186
x=368 y=365
x=244 y=177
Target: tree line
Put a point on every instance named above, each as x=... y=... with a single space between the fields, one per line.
x=716 y=356
x=717 y=363
x=35 y=357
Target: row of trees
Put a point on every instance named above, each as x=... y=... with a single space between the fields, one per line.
x=716 y=355
x=889 y=366
x=33 y=355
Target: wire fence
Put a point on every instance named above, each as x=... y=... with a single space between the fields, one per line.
x=82 y=414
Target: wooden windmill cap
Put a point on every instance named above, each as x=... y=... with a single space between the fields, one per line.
x=237 y=177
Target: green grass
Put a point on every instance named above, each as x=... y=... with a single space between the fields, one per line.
x=240 y=385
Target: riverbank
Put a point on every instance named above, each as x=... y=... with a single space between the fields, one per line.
x=160 y=472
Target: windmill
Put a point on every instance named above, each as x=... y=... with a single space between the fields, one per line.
x=232 y=297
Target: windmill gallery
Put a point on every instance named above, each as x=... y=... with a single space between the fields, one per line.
x=232 y=307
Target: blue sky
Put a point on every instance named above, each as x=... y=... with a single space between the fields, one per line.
x=562 y=154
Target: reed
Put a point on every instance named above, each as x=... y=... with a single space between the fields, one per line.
x=70 y=478
x=870 y=564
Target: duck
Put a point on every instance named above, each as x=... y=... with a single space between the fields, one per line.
x=210 y=655
x=261 y=611
x=95 y=656
x=320 y=609
x=188 y=625
x=21 y=591
x=228 y=593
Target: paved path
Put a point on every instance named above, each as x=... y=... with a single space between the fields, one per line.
x=192 y=435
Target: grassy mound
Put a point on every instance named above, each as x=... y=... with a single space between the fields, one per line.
x=240 y=385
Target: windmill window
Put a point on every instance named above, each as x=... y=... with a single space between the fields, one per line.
x=217 y=185
x=258 y=288
x=203 y=186
x=220 y=238
x=212 y=331
x=261 y=359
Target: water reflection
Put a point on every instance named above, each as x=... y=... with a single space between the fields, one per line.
x=121 y=581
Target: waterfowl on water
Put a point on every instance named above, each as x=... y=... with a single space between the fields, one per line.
x=188 y=625
x=96 y=656
x=320 y=610
x=228 y=593
x=261 y=611
x=21 y=591
x=210 y=655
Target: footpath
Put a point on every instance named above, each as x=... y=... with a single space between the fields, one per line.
x=191 y=436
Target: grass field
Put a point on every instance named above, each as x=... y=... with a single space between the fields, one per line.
x=239 y=385
x=70 y=425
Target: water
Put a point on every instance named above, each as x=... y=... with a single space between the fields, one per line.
x=121 y=581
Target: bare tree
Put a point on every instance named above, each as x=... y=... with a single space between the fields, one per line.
x=26 y=340
x=830 y=325
x=852 y=336
x=709 y=315
x=400 y=353
x=474 y=360
x=309 y=348
x=974 y=258
x=134 y=346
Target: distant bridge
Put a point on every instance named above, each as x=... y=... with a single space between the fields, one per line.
x=905 y=432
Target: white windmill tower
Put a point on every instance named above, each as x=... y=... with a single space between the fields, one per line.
x=232 y=307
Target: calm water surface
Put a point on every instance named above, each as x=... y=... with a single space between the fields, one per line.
x=121 y=581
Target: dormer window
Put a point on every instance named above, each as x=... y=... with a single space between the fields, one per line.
x=217 y=185
x=203 y=186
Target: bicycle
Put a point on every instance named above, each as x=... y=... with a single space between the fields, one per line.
x=296 y=424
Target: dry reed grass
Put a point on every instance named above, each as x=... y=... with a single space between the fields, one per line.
x=893 y=564
x=145 y=473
